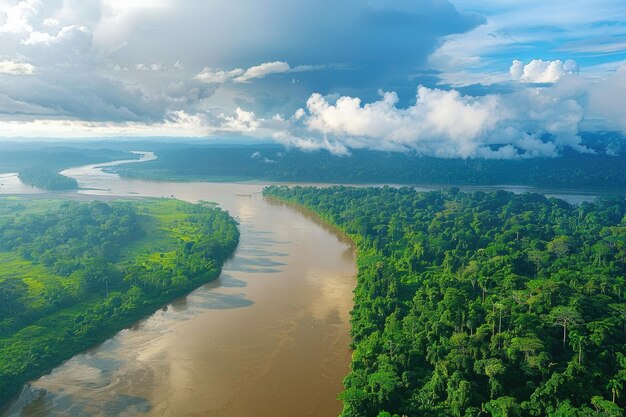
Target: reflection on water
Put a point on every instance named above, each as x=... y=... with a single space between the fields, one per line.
x=228 y=281
x=269 y=337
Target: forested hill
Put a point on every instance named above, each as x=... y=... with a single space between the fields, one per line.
x=275 y=163
x=47 y=179
x=73 y=274
x=481 y=304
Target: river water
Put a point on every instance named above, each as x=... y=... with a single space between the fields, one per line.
x=270 y=337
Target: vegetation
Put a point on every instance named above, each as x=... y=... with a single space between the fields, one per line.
x=481 y=304
x=40 y=167
x=275 y=163
x=73 y=274
x=47 y=179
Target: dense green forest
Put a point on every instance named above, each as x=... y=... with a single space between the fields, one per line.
x=275 y=163
x=40 y=167
x=47 y=179
x=73 y=274
x=483 y=304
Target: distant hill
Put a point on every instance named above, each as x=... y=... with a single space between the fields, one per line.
x=605 y=169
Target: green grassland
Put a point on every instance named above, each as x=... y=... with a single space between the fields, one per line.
x=73 y=274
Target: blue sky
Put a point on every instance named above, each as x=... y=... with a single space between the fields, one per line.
x=593 y=33
x=493 y=78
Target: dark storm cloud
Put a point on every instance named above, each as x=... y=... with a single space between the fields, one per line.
x=115 y=60
x=378 y=42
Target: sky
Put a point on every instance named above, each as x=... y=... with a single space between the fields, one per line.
x=462 y=78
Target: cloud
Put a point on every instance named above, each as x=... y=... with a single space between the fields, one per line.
x=596 y=45
x=174 y=124
x=211 y=76
x=241 y=76
x=148 y=67
x=538 y=71
x=15 y=67
x=100 y=66
x=606 y=100
x=119 y=61
x=18 y=16
x=16 y=108
x=528 y=123
x=36 y=37
x=187 y=93
x=584 y=32
x=69 y=78
x=263 y=70
x=381 y=40
x=310 y=144
x=440 y=112
x=242 y=121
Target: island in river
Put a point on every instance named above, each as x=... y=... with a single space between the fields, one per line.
x=37 y=165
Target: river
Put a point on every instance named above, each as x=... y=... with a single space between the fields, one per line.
x=270 y=337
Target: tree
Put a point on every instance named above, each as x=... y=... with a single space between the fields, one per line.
x=560 y=246
x=528 y=346
x=503 y=407
x=615 y=386
x=621 y=310
x=606 y=408
x=565 y=317
x=459 y=393
x=11 y=291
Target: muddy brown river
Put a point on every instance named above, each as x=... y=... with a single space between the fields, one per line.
x=270 y=337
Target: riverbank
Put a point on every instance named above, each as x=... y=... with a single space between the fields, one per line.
x=276 y=321
x=451 y=286
x=155 y=268
x=571 y=195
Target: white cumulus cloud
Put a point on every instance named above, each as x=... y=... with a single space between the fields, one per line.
x=15 y=67
x=443 y=123
x=242 y=76
x=263 y=70
x=18 y=16
x=45 y=38
x=211 y=76
x=242 y=121
x=539 y=71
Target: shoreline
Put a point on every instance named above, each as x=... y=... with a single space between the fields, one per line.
x=112 y=320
